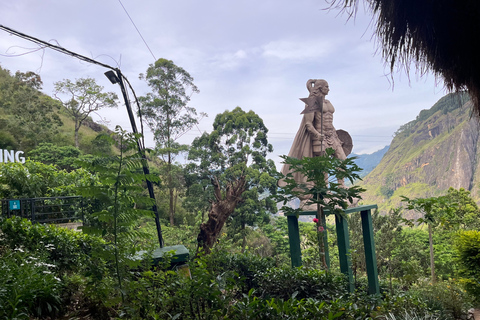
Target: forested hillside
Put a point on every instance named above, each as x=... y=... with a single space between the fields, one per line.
x=29 y=118
x=437 y=150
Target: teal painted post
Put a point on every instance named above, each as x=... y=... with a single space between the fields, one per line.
x=344 y=250
x=370 y=256
x=294 y=240
x=325 y=240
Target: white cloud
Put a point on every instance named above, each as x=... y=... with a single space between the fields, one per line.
x=297 y=50
x=230 y=60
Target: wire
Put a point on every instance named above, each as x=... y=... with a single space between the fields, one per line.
x=138 y=107
x=60 y=49
x=137 y=30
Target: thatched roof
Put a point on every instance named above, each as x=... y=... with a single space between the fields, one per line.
x=438 y=35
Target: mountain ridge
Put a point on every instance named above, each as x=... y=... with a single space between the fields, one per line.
x=368 y=161
x=437 y=150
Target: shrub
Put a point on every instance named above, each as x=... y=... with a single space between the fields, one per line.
x=69 y=250
x=252 y=307
x=468 y=248
x=28 y=286
x=160 y=294
x=243 y=268
x=283 y=283
x=445 y=297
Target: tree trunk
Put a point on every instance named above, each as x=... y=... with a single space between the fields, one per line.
x=244 y=237
x=170 y=189
x=172 y=212
x=221 y=209
x=77 y=128
x=432 y=261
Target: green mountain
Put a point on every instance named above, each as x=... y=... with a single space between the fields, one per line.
x=368 y=162
x=437 y=150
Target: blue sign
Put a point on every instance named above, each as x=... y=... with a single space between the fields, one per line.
x=14 y=204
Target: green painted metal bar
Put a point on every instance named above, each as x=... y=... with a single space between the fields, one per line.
x=343 y=244
x=348 y=211
x=294 y=240
x=325 y=241
x=370 y=256
x=344 y=250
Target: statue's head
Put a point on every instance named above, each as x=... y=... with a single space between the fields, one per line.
x=315 y=85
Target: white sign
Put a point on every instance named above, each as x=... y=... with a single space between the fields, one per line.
x=11 y=156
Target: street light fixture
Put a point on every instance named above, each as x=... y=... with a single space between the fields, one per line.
x=112 y=77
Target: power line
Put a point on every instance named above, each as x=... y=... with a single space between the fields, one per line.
x=137 y=30
x=44 y=44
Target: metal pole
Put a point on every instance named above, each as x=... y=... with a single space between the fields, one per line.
x=141 y=149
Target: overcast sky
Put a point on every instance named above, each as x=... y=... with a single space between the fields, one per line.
x=254 y=54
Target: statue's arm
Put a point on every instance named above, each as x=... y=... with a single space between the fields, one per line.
x=309 y=117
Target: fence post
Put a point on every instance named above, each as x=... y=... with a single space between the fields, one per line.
x=32 y=210
x=294 y=240
x=343 y=239
x=370 y=256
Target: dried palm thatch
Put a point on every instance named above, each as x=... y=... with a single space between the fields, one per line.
x=438 y=35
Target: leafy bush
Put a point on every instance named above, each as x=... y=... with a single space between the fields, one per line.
x=34 y=179
x=243 y=268
x=468 y=247
x=28 y=286
x=68 y=250
x=161 y=294
x=445 y=297
x=252 y=307
x=283 y=283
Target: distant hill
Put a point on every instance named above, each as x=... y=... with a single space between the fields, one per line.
x=29 y=117
x=437 y=150
x=368 y=162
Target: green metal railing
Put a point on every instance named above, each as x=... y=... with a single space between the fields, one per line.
x=341 y=225
x=45 y=210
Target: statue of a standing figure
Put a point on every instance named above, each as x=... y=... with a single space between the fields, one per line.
x=316 y=132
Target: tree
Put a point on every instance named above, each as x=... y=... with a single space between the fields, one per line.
x=467 y=213
x=468 y=248
x=84 y=97
x=120 y=191
x=254 y=210
x=387 y=229
x=435 y=210
x=323 y=187
x=62 y=156
x=233 y=159
x=167 y=114
x=436 y=35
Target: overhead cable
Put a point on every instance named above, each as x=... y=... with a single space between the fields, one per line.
x=54 y=47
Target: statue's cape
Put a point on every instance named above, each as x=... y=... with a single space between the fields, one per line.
x=301 y=147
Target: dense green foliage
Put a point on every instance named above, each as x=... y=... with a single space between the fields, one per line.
x=27 y=117
x=34 y=179
x=119 y=191
x=323 y=182
x=236 y=286
x=37 y=263
x=468 y=246
x=231 y=165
